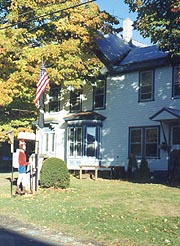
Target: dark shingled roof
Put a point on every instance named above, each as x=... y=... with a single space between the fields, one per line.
x=141 y=54
x=119 y=56
x=86 y=115
x=111 y=49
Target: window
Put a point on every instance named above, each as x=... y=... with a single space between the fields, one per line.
x=49 y=142
x=176 y=82
x=91 y=141
x=54 y=98
x=146 y=86
x=144 y=142
x=84 y=141
x=176 y=135
x=136 y=141
x=75 y=141
x=75 y=100
x=99 y=94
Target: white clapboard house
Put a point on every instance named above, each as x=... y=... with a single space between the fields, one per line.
x=132 y=107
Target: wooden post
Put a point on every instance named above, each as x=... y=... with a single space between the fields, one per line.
x=80 y=172
x=96 y=173
x=10 y=135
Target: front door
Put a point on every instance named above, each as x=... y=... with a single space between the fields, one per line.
x=174 y=166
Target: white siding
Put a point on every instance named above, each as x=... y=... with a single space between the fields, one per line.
x=122 y=111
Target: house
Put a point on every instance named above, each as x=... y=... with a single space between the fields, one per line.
x=132 y=107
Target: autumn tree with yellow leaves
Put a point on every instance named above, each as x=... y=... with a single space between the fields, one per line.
x=60 y=32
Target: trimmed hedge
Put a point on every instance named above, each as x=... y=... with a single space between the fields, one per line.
x=54 y=173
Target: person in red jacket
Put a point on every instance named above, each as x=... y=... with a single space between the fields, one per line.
x=22 y=177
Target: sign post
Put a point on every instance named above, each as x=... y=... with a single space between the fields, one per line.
x=10 y=135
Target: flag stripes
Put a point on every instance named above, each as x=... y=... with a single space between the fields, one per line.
x=42 y=84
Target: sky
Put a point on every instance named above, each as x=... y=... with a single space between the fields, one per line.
x=119 y=9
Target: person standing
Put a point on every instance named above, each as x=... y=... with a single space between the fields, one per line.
x=22 y=177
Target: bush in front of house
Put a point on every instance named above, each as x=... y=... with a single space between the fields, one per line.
x=54 y=173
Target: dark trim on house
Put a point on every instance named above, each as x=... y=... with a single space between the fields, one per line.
x=172 y=114
x=86 y=115
x=150 y=64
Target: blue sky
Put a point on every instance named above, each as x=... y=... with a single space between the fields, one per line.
x=119 y=9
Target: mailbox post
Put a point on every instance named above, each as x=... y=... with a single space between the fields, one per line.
x=10 y=135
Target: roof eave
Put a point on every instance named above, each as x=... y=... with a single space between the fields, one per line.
x=140 y=65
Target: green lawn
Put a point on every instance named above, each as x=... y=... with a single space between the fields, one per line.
x=116 y=213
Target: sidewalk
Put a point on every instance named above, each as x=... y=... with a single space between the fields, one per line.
x=35 y=235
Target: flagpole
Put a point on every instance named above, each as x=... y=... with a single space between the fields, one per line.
x=41 y=87
x=43 y=82
x=41 y=111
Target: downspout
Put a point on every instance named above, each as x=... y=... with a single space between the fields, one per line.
x=164 y=135
x=168 y=148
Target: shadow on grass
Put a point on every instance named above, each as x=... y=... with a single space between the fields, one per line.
x=14 y=181
x=11 y=238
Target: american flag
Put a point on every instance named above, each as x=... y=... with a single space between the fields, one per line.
x=43 y=82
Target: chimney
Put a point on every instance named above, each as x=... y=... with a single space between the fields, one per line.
x=127 y=30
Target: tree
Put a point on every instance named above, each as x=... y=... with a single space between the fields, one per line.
x=160 y=21
x=60 y=32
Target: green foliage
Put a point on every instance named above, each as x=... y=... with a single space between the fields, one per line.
x=54 y=173
x=158 y=20
x=60 y=32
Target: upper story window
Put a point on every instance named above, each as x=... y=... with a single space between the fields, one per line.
x=144 y=141
x=54 y=98
x=176 y=82
x=75 y=100
x=146 y=86
x=99 y=94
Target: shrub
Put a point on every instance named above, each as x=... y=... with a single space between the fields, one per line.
x=54 y=173
x=143 y=174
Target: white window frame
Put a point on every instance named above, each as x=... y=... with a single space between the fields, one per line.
x=176 y=82
x=146 y=87
x=143 y=141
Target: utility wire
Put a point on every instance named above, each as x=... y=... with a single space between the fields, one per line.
x=51 y=13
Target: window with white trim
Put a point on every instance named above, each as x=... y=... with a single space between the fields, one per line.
x=75 y=141
x=144 y=141
x=99 y=94
x=146 y=84
x=75 y=100
x=176 y=82
x=83 y=141
x=54 y=98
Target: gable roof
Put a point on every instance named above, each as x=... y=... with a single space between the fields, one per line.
x=166 y=114
x=111 y=49
x=120 y=56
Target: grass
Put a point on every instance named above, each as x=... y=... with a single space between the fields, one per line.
x=111 y=212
